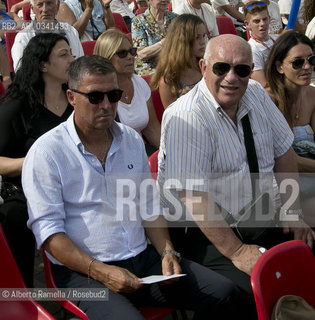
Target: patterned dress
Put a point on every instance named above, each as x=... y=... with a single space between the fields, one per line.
x=146 y=32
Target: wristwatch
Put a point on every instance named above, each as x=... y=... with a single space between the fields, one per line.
x=175 y=253
x=106 y=7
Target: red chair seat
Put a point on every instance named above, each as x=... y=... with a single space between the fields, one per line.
x=286 y=269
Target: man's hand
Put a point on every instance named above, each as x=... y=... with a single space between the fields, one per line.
x=170 y=266
x=245 y=257
x=119 y=279
x=300 y=230
x=105 y=2
x=89 y=4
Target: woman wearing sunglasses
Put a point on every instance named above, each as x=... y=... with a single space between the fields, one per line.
x=175 y=73
x=34 y=103
x=135 y=107
x=288 y=72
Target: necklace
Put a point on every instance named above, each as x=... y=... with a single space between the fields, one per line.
x=102 y=158
x=264 y=42
x=126 y=95
x=55 y=107
x=297 y=111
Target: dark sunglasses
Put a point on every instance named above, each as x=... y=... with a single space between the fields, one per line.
x=258 y=3
x=96 y=97
x=221 y=68
x=299 y=63
x=124 y=53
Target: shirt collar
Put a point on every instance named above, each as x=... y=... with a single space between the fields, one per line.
x=115 y=129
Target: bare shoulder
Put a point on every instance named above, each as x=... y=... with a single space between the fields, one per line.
x=310 y=96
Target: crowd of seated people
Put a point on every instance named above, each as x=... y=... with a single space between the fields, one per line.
x=170 y=47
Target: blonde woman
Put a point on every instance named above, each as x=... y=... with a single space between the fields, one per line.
x=176 y=73
x=135 y=107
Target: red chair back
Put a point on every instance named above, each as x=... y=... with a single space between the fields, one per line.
x=135 y=4
x=120 y=23
x=9 y=40
x=50 y=283
x=10 y=277
x=88 y=47
x=10 y=3
x=141 y=10
x=153 y=163
x=156 y=99
x=2 y=90
x=170 y=7
x=225 y=25
x=149 y=313
x=286 y=269
x=26 y=12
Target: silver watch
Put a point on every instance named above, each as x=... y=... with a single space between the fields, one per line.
x=175 y=253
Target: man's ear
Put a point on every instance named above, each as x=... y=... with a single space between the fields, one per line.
x=279 y=67
x=70 y=97
x=203 y=66
x=246 y=23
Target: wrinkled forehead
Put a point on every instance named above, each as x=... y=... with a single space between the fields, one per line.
x=232 y=52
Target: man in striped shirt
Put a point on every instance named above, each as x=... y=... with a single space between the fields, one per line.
x=203 y=141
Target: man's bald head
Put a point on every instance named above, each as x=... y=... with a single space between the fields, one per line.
x=227 y=42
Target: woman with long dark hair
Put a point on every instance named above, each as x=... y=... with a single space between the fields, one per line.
x=288 y=72
x=34 y=103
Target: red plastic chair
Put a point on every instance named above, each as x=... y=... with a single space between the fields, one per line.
x=135 y=4
x=286 y=269
x=10 y=277
x=170 y=7
x=9 y=40
x=26 y=12
x=2 y=90
x=88 y=47
x=141 y=10
x=150 y=313
x=153 y=163
x=10 y=3
x=156 y=99
x=50 y=283
x=120 y=23
x=225 y=25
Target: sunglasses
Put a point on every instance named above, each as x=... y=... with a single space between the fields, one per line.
x=299 y=62
x=258 y=3
x=124 y=53
x=96 y=97
x=221 y=68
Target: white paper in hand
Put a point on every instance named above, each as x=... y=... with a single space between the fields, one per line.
x=153 y=279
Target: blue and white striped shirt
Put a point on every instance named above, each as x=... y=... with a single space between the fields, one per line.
x=200 y=141
x=68 y=191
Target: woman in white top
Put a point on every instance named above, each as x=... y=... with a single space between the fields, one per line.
x=135 y=107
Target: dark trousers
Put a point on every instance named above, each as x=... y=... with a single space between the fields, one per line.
x=209 y=294
x=195 y=246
